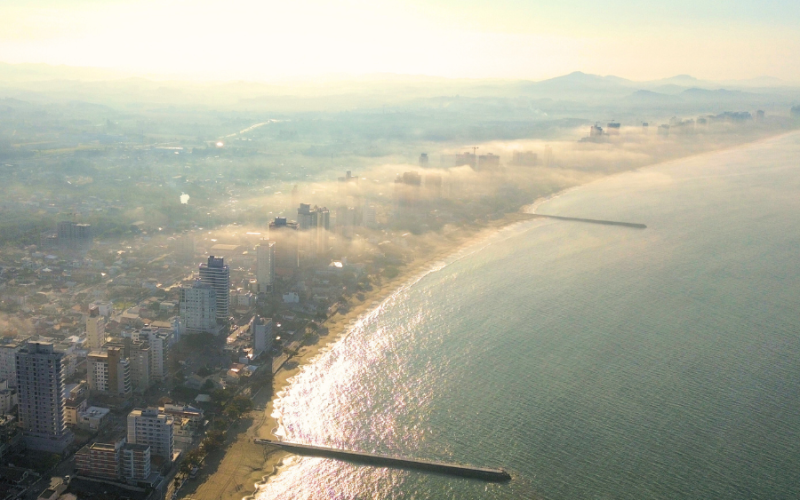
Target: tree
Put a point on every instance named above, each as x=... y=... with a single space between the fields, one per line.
x=184 y=469
x=242 y=403
x=213 y=441
x=232 y=412
x=193 y=457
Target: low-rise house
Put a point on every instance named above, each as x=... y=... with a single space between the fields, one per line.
x=93 y=417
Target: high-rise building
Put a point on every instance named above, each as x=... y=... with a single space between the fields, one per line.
x=95 y=329
x=40 y=382
x=348 y=186
x=315 y=223
x=433 y=186
x=109 y=373
x=8 y=361
x=217 y=274
x=139 y=357
x=423 y=160
x=468 y=159
x=265 y=266
x=152 y=428
x=345 y=221
x=322 y=230
x=198 y=308
x=369 y=216
x=284 y=234
x=407 y=191
x=74 y=236
x=348 y=178
x=159 y=342
x=261 y=328
x=489 y=162
x=306 y=218
x=525 y=158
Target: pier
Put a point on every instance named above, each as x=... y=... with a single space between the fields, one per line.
x=633 y=225
x=484 y=473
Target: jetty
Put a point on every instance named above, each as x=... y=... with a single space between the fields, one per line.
x=633 y=225
x=376 y=459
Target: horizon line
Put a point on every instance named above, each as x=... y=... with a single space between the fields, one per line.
x=123 y=74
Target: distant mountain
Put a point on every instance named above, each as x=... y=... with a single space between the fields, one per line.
x=718 y=95
x=650 y=97
x=578 y=86
x=760 y=81
x=578 y=79
x=681 y=80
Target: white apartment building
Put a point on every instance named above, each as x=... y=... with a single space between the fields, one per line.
x=218 y=275
x=265 y=266
x=198 y=308
x=135 y=461
x=40 y=382
x=159 y=341
x=8 y=363
x=261 y=328
x=152 y=428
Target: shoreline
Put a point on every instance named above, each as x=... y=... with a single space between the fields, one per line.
x=245 y=465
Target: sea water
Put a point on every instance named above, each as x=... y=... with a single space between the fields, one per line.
x=591 y=361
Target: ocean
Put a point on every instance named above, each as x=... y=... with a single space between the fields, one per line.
x=590 y=361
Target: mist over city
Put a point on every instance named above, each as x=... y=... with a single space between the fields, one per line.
x=398 y=250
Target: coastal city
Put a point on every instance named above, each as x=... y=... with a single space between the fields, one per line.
x=154 y=290
x=399 y=249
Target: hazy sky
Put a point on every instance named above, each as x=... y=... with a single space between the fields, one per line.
x=268 y=39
